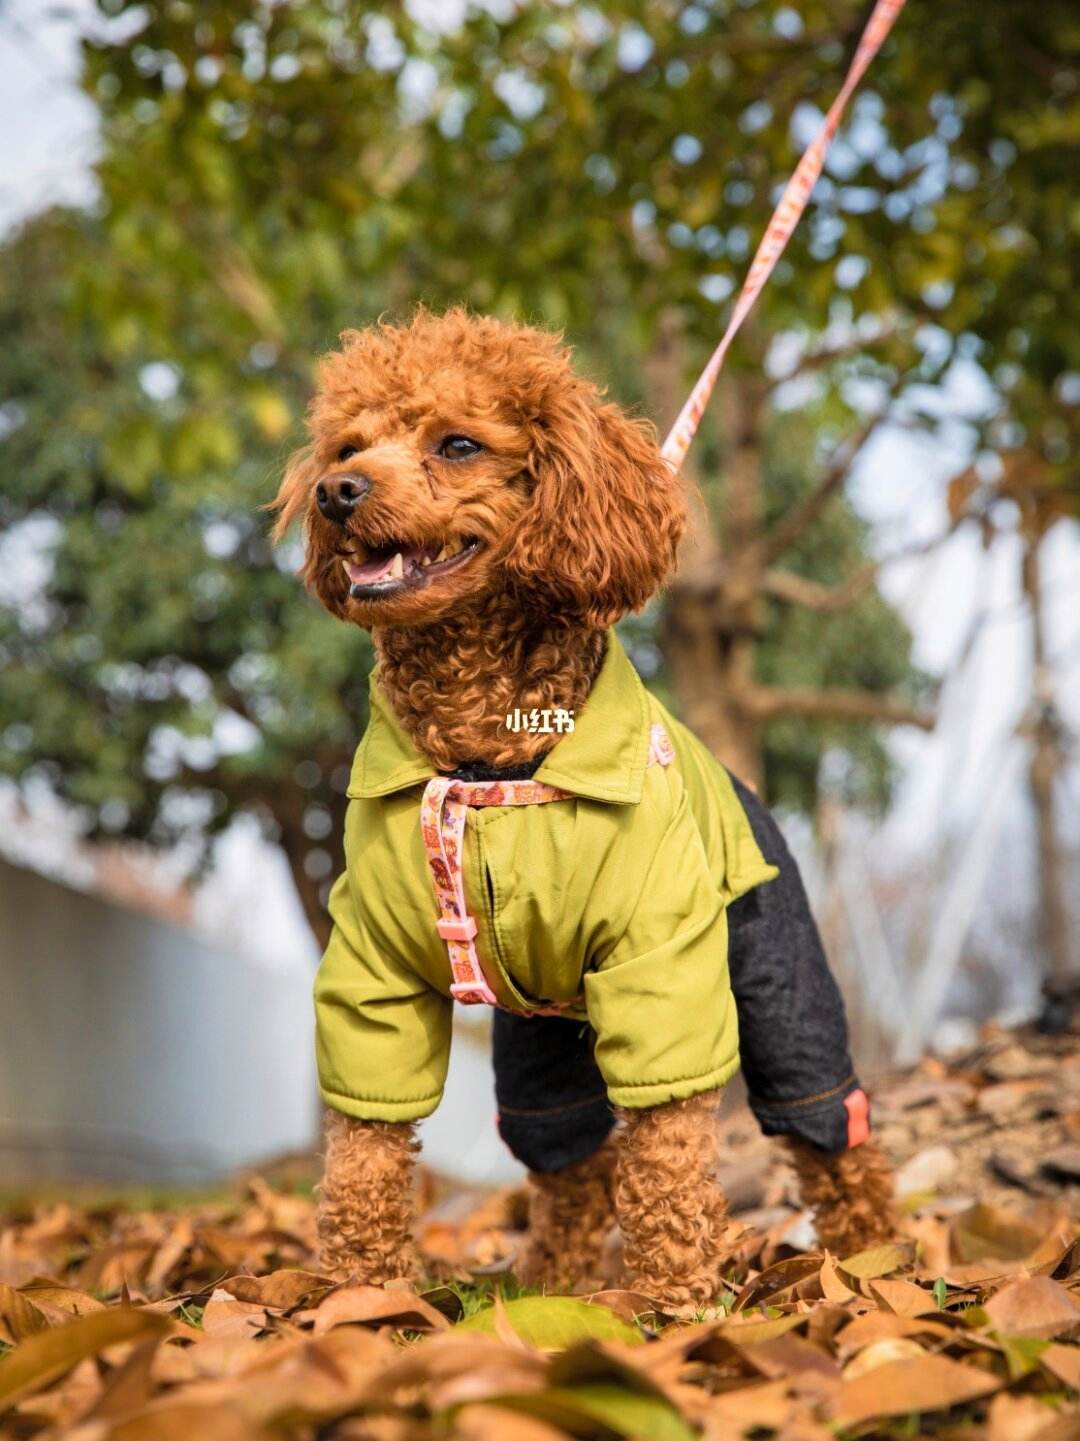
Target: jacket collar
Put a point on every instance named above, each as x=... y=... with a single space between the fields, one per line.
x=603 y=757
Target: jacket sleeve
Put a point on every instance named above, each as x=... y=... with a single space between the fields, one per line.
x=382 y=1034
x=660 y=1001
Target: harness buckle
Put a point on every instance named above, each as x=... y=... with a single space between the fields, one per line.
x=451 y=928
x=473 y=993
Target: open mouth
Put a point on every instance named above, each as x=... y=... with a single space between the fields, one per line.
x=400 y=566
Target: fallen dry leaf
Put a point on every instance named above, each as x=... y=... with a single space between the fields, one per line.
x=786 y=1355
x=771 y=1283
x=903 y=1298
x=43 y=1357
x=878 y=1261
x=833 y=1286
x=280 y=1290
x=768 y=1405
x=223 y=1315
x=182 y=1420
x=1064 y=1363
x=1015 y=1418
x=988 y=1231
x=373 y=1306
x=19 y=1317
x=928 y=1383
x=1034 y=1306
x=877 y=1326
x=880 y=1353
x=497 y=1423
x=213 y=1320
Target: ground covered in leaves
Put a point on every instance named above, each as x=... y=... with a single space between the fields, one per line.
x=211 y=1321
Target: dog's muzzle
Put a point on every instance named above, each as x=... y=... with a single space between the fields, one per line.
x=337 y=496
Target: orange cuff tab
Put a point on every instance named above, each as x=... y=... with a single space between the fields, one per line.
x=858 y=1118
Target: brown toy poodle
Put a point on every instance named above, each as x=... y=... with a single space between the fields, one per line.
x=476 y=504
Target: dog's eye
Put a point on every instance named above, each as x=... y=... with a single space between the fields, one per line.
x=459 y=447
x=347 y=452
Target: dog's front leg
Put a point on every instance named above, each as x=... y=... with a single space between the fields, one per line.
x=670 y=1207
x=366 y=1206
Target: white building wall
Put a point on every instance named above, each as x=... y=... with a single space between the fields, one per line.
x=133 y=1049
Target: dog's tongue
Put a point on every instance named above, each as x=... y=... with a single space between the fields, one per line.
x=392 y=562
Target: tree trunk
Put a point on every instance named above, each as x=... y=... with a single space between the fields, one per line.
x=712 y=619
x=706 y=662
x=299 y=847
x=1046 y=762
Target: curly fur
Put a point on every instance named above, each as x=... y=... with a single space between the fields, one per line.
x=570 y=1214
x=851 y=1195
x=671 y=1209
x=366 y=1209
x=577 y=515
x=576 y=521
x=454 y=683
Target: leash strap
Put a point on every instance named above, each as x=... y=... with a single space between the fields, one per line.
x=443 y=807
x=779 y=231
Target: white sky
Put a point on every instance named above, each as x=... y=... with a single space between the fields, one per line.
x=47 y=132
x=47 y=145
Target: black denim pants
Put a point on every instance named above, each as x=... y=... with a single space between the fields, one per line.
x=793 y=1043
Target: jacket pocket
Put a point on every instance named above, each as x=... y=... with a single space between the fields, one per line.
x=492 y=917
x=490 y=884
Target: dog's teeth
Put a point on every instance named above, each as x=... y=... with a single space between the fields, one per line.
x=447 y=552
x=397 y=566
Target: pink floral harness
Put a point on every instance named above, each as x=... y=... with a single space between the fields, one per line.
x=443 y=807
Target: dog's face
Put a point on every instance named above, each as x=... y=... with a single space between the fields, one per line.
x=457 y=457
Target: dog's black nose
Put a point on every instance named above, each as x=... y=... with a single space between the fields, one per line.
x=337 y=496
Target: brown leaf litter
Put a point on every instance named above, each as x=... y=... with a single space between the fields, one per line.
x=212 y=1321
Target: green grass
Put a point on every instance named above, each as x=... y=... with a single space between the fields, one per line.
x=481 y=1294
x=93 y=1196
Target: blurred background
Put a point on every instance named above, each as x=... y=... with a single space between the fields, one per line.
x=877 y=618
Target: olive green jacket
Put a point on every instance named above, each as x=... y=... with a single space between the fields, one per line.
x=619 y=892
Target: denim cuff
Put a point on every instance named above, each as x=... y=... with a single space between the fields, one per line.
x=823 y=1121
x=548 y=1139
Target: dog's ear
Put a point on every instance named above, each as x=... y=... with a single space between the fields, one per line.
x=606 y=514
x=294 y=493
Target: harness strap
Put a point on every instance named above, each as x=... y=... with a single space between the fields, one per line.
x=443 y=807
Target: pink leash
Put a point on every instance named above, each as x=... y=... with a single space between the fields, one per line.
x=779 y=231
x=443 y=807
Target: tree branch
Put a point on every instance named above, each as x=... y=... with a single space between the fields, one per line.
x=811 y=595
x=768 y=702
x=825 y=355
x=799 y=520
x=786 y=585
